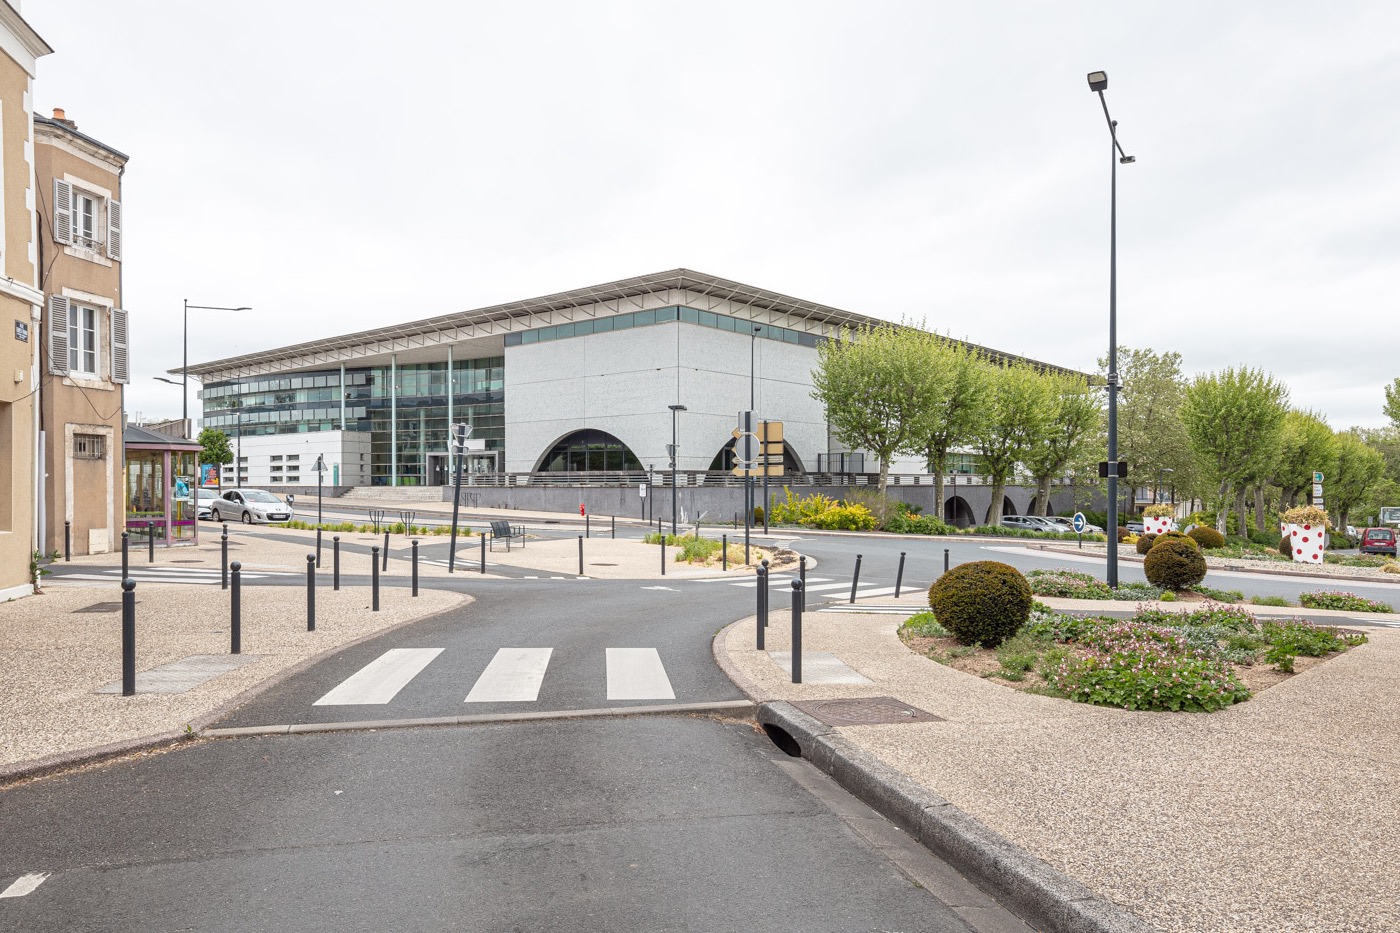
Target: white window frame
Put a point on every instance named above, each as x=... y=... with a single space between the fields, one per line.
x=84 y=324
x=86 y=217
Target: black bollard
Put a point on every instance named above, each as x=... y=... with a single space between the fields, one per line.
x=318 y=549
x=150 y=542
x=802 y=575
x=311 y=592
x=386 y=551
x=724 y=552
x=128 y=637
x=374 y=579
x=235 y=610
x=588 y=526
x=663 y=555
x=67 y=540
x=855 y=579
x=945 y=560
x=335 y=562
x=899 y=577
x=614 y=526
x=763 y=585
x=797 y=597
x=126 y=540
x=483 y=552
x=223 y=561
x=415 y=567
x=758 y=613
x=580 y=555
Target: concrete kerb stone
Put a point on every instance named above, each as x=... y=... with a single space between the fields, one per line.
x=1043 y=896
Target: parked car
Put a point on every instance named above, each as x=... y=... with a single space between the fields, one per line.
x=204 y=498
x=1134 y=528
x=251 y=506
x=1067 y=524
x=1028 y=523
x=1378 y=541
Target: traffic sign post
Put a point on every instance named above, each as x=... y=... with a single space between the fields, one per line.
x=1079 y=522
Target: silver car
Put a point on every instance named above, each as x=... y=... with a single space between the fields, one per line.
x=251 y=506
x=1028 y=523
x=1067 y=524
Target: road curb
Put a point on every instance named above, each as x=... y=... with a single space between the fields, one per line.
x=723 y=707
x=1044 y=897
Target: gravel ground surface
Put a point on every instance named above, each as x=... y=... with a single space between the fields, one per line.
x=1278 y=814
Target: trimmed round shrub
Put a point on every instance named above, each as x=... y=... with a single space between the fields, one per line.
x=1206 y=537
x=1145 y=543
x=1123 y=532
x=1175 y=534
x=984 y=602
x=1174 y=563
x=1285 y=546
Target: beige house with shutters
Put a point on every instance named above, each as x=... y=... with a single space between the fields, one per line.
x=85 y=362
x=21 y=305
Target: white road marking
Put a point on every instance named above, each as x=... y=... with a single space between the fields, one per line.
x=24 y=884
x=381 y=679
x=820 y=667
x=637 y=674
x=874 y=591
x=514 y=675
x=666 y=588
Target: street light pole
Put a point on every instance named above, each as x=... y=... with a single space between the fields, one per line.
x=1098 y=81
x=185 y=358
x=750 y=446
x=675 y=415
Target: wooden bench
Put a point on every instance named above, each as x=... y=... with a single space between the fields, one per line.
x=505 y=531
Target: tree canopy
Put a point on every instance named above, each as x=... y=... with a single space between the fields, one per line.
x=1234 y=419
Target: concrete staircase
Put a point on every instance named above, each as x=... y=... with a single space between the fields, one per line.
x=398 y=493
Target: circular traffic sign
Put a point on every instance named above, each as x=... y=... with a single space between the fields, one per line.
x=1079 y=521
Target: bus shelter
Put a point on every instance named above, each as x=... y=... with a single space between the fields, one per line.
x=161 y=474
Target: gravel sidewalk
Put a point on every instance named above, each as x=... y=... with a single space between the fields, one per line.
x=1278 y=814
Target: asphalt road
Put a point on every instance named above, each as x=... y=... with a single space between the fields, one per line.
x=641 y=824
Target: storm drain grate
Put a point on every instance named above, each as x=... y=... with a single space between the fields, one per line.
x=189 y=561
x=101 y=607
x=865 y=711
x=602 y=565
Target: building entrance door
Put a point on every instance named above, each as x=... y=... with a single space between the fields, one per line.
x=439 y=470
x=481 y=462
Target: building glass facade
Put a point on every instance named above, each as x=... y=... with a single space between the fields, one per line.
x=405 y=409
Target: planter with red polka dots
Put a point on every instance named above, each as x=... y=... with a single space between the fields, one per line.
x=1307 y=543
x=1156 y=525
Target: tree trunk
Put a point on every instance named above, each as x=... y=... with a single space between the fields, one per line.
x=884 y=476
x=1222 y=514
x=939 y=509
x=1259 y=520
x=1042 y=497
x=1242 y=511
x=998 y=495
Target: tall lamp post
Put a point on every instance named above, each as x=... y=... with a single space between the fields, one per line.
x=1160 y=473
x=185 y=356
x=1098 y=81
x=675 y=415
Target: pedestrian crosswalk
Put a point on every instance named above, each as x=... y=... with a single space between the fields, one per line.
x=816 y=586
x=513 y=675
x=199 y=576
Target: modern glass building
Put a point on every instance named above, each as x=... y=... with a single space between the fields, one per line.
x=406 y=410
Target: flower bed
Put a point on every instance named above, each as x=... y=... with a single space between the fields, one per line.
x=1199 y=661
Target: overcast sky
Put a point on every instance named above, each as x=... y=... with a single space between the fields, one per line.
x=341 y=166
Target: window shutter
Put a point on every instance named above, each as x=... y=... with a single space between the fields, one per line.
x=62 y=215
x=120 y=371
x=58 y=334
x=114 y=229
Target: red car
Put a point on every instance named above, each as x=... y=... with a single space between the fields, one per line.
x=1378 y=541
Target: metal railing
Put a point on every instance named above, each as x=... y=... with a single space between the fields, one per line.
x=697 y=478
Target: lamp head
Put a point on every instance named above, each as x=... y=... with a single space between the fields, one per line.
x=1127 y=159
x=678 y=408
x=1098 y=80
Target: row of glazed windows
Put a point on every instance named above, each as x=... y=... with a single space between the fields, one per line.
x=667 y=315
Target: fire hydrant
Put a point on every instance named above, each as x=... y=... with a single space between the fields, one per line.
x=581 y=509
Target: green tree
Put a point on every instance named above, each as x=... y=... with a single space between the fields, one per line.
x=1392 y=402
x=1151 y=434
x=876 y=384
x=215 y=450
x=1076 y=418
x=1018 y=413
x=1360 y=467
x=1234 y=419
x=950 y=414
x=1306 y=444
